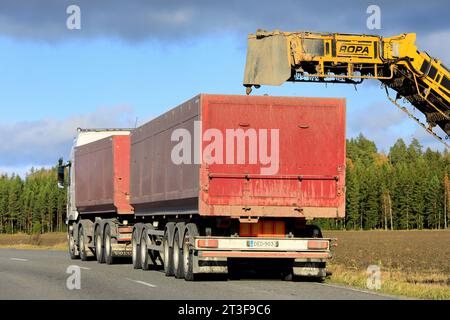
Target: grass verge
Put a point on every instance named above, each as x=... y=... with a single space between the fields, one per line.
x=421 y=285
x=48 y=241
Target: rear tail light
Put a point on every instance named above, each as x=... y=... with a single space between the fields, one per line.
x=125 y=229
x=317 y=245
x=124 y=238
x=208 y=243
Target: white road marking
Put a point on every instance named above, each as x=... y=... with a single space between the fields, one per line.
x=142 y=282
x=84 y=268
x=19 y=259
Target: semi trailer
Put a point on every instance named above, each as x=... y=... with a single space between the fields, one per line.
x=216 y=181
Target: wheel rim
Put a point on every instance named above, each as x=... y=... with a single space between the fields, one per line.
x=98 y=246
x=108 y=245
x=186 y=253
x=166 y=254
x=134 y=253
x=71 y=244
x=82 y=243
x=143 y=250
x=176 y=254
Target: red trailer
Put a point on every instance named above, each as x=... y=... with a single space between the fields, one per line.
x=103 y=176
x=99 y=192
x=310 y=173
x=224 y=179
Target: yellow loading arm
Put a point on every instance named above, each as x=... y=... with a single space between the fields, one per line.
x=276 y=57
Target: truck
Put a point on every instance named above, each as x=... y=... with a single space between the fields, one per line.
x=216 y=183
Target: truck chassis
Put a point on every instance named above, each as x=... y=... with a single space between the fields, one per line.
x=186 y=248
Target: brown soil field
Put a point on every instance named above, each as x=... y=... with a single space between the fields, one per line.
x=405 y=251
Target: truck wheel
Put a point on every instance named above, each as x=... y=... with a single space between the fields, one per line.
x=168 y=251
x=108 y=248
x=145 y=265
x=99 y=246
x=177 y=256
x=136 y=257
x=320 y=279
x=313 y=231
x=73 y=252
x=287 y=275
x=82 y=243
x=188 y=254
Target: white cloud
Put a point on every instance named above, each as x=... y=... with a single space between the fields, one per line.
x=42 y=142
x=436 y=44
x=383 y=123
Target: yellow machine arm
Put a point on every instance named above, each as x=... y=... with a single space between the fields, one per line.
x=276 y=57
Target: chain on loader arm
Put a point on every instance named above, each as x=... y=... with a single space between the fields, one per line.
x=276 y=57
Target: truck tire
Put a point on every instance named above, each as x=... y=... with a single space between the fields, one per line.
x=109 y=259
x=313 y=231
x=136 y=257
x=99 y=245
x=309 y=231
x=73 y=252
x=190 y=232
x=144 y=255
x=178 y=268
x=82 y=244
x=177 y=260
x=168 y=250
x=287 y=274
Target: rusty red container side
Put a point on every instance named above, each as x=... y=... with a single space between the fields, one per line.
x=309 y=182
x=122 y=174
x=157 y=184
x=310 y=179
x=102 y=176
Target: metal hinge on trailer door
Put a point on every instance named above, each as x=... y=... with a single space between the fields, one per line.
x=248 y=219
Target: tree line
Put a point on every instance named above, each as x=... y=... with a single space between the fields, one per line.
x=407 y=188
x=33 y=204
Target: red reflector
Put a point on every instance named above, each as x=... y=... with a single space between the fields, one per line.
x=314 y=244
x=208 y=243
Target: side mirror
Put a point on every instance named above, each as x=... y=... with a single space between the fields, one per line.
x=61 y=168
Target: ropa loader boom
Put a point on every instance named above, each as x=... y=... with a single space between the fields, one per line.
x=276 y=57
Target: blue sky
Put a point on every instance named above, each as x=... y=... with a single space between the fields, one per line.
x=54 y=80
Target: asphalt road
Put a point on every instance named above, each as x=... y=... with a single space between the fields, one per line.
x=38 y=274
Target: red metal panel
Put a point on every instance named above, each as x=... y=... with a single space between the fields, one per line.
x=157 y=183
x=121 y=147
x=102 y=176
x=311 y=173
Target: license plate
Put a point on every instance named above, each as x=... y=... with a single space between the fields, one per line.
x=262 y=243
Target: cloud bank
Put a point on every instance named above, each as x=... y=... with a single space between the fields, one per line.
x=135 y=20
x=42 y=142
